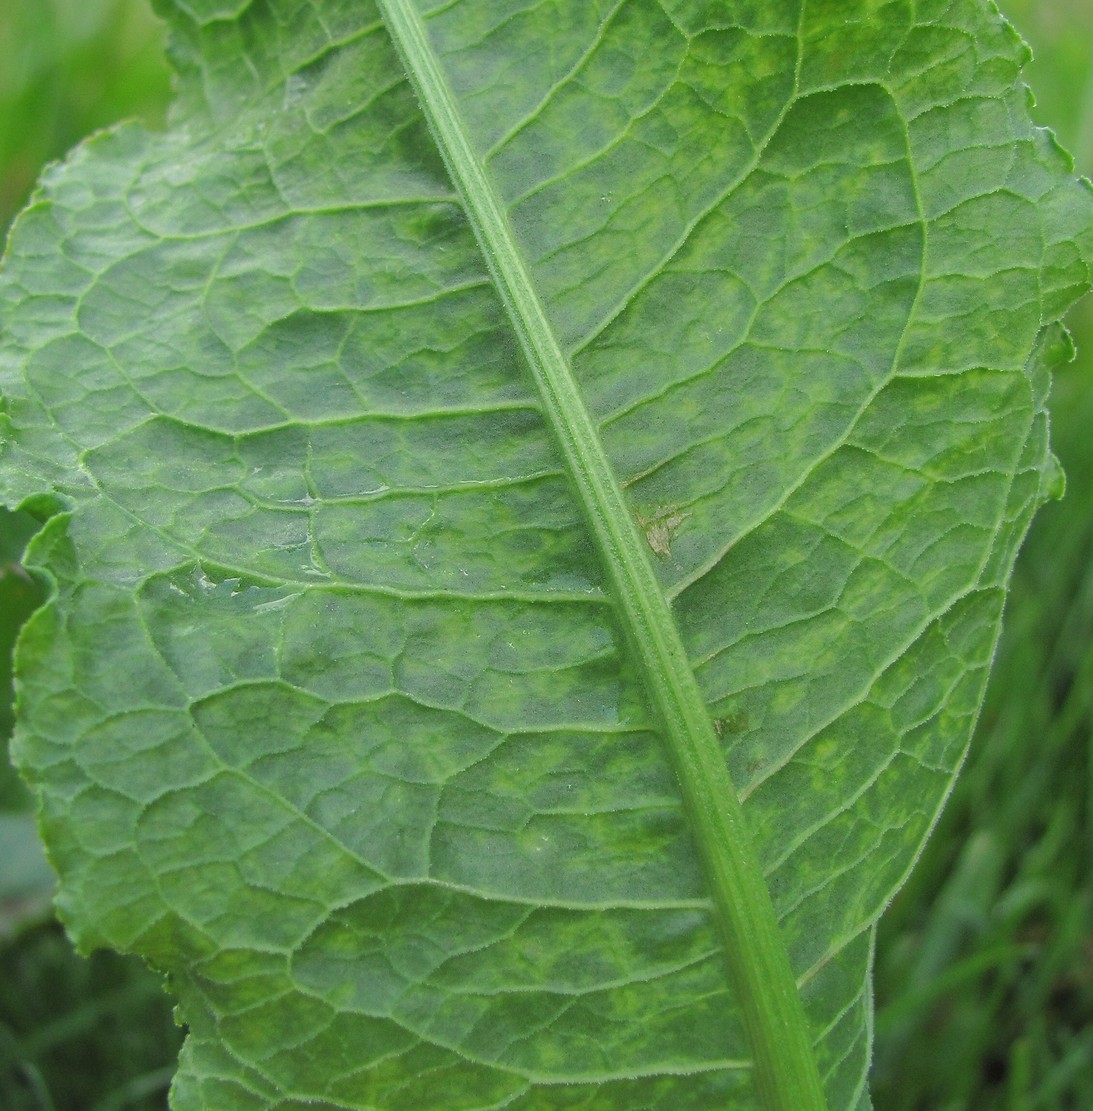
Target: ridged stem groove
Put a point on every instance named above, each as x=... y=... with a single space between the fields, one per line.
x=758 y=965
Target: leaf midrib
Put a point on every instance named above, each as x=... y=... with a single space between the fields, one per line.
x=758 y=964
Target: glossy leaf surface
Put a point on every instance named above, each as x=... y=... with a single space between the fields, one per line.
x=336 y=713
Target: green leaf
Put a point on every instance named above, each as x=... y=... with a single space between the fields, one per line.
x=477 y=438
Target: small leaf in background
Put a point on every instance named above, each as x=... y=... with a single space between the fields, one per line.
x=26 y=881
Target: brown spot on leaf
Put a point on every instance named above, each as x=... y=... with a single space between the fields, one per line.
x=659 y=528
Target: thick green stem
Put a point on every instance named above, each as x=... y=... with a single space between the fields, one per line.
x=759 y=968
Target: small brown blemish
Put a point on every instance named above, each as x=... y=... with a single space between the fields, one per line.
x=659 y=528
x=734 y=721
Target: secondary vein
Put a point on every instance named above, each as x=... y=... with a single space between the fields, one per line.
x=756 y=958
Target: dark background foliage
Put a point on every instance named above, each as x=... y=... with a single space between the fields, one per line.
x=984 y=961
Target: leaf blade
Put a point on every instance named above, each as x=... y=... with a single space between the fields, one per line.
x=281 y=390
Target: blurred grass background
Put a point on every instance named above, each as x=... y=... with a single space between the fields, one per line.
x=985 y=960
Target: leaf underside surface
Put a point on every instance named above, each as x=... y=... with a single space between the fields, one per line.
x=338 y=712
